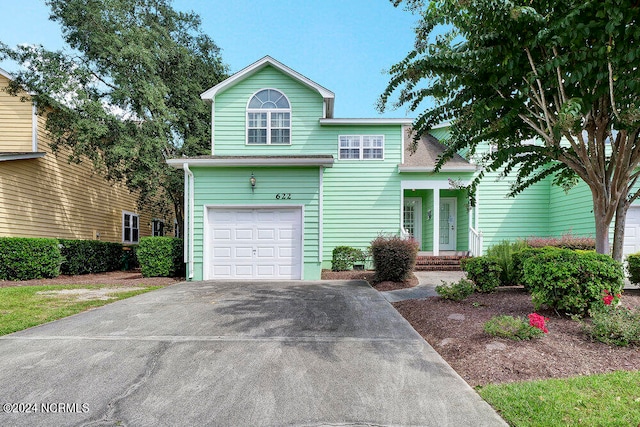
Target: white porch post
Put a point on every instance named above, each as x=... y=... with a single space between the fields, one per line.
x=436 y=221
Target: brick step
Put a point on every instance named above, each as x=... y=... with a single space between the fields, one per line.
x=450 y=267
x=439 y=263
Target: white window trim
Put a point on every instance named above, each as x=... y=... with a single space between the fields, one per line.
x=131 y=214
x=153 y=227
x=361 y=148
x=268 y=111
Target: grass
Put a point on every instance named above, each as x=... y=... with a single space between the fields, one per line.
x=22 y=307
x=597 y=400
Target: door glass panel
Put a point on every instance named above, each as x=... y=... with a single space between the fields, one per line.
x=445 y=209
x=410 y=218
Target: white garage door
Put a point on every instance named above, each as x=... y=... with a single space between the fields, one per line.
x=254 y=243
x=632 y=231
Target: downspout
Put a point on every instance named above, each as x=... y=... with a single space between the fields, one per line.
x=188 y=217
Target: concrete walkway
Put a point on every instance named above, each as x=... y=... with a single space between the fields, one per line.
x=235 y=354
x=427 y=282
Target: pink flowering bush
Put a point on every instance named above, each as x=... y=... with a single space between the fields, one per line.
x=538 y=321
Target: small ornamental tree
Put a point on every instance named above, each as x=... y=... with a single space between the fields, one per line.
x=563 y=73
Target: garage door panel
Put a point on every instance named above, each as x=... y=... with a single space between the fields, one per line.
x=632 y=231
x=222 y=252
x=244 y=234
x=222 y=234
x=244 y=270
x=243 y=252
x=266 y=270
x=266 y=252
x=266 y=233
x=255 y=243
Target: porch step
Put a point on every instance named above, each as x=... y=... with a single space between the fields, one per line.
x=439 y=263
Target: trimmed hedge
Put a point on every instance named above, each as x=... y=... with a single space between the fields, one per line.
x=160 y=256
x=633 y=267
x=393 y=258
x=484 y=271
x=571 y=281
x=90 y=256
x=24 y=258
x=343 y=258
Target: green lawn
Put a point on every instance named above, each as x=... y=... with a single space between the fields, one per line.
x=596 y=400
x=23 y=307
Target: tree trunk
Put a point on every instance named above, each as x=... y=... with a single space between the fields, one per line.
x=602 y=229
x=618 y=234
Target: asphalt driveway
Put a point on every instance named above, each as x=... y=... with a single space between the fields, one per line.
x=234 y=354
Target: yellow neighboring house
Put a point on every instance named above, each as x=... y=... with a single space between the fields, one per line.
x=43 y=195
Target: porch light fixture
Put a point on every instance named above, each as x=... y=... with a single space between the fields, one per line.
x=252 y=181
x=429 y=215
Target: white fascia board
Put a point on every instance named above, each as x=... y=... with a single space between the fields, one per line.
x=335 y=122
x=429 y=185
x=441 y=125
x=20 y=156
x=470 y=168
x=178 y=163
x=256 y=66
x=4 y=73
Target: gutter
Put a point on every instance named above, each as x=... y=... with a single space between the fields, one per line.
x=188 y=218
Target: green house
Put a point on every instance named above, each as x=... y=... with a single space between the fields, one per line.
x=286 y=182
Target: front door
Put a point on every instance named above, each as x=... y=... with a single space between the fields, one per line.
x=447 y=224
x=412 y=218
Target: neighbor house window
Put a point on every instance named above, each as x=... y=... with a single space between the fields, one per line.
x=130 y=227
x=361 y=147
x=268 y=118
x=158 y=227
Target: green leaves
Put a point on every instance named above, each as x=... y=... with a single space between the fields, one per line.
x=126 y=94
x=564 y=72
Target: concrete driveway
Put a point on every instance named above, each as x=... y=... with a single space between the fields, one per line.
x=234 y=354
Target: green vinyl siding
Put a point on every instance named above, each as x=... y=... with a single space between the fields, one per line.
x=230 y=187
x=361 y=197
x=306 y=110
x=511 y=218
x=572 y=211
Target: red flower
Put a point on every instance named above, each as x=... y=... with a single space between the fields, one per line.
x=538 y=321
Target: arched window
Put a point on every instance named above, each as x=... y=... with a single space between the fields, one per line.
x=269 y=118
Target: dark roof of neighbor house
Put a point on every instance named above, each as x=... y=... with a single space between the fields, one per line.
x=427 y=152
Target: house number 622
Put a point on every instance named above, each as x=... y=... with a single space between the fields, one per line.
x=283 y=196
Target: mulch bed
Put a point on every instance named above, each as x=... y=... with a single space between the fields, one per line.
x=454 y=329
x=112 y=278
x=368 y=275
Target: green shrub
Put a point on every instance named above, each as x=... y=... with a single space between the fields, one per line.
x=503 y=253
x=484 y=271
x=518 y=259
x=615 y=326
x=570 y=281
x=89 y=256
x=393 y=257
x=633 y=267
x=512 y=328
x=29 y=258
x=344 y=257
x=456 y=291
x=161 y=256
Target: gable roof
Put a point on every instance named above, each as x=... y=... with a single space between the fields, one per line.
x=260 y=64
x=426 y=156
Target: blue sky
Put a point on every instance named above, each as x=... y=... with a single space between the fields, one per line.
x=343 y=45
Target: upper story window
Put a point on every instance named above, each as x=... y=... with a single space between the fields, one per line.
x=269 y=118
x=361 y=147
